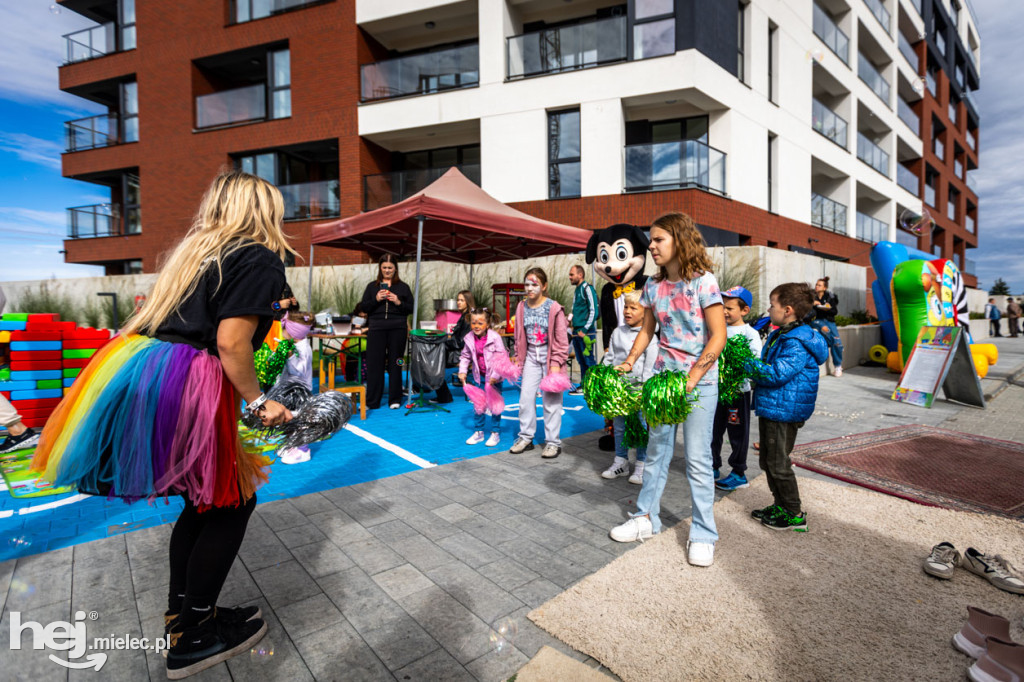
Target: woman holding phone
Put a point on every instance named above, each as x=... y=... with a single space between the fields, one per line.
x=388 y=303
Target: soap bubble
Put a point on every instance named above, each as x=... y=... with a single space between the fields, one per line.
x=503 y=636
x=21 y=588
x=55 y=9
x=915 y=223
x=815 y=55
x=262 y=653
x=19 y=543
x=918 y=86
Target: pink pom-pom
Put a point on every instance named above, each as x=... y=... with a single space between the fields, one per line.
x=505 y=368
x=495 y=401
x=556 y=382
x=477 y=397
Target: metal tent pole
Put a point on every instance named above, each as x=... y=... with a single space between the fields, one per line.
x=309 y=291
x=416 y=294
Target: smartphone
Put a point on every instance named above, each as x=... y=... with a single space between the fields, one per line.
x=385 y=285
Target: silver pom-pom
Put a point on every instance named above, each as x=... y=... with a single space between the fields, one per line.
x=289 y=391
x=319 y=418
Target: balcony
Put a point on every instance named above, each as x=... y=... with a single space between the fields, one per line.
x=674 y=165
x=250 y=10
x=390 y=188
x=880 y=12
x=970 y=267
x=871 y=229
x=567 y=48
x=93 y=132
x=939 y=149
x=828 y=214
x=828 y=123
x=871 y=76
x=958 y=167
x=907 y=115
x=972 y=183
x=231 y=107
x=969 y=96
x=307 y=200
x=969 y=224
x=873 y=155
x=929 y=195
x=972 y=141
x=90 y=43
x=421 y=74
x=933 y=86
x=830 y=34
x=951 y=111
x=951 y=207
x=907 y=179
x=98 y=220
x=907 y=50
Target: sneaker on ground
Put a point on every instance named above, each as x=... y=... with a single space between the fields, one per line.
x=235 y=615
x=700 y=553
x=214 y=640
x=770 y=510
x=551 y=451
x=576 y=390
x=637 y=478
x=994 y=569
x=1003 y=661
x=619 y=467
x=732 y=482
x=493 y=440
x=521 y=445
x=637 y=528
x=837 y=372
x=980 y=626
x=786 y=520
x=29 y=439
x=293 y=456
x=395 y=406
x=477 y=437
x=942 y=560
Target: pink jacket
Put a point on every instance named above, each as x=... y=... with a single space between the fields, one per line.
x=493 y=348
x=558 y=336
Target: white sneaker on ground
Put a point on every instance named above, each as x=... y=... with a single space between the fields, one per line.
x=293 y=456
x=637 y=528
x=494 y=439
x=395 y=406
x=700 y=553
x=638 y=474
x=619 y=467
x=837 y=372
x=477 y=437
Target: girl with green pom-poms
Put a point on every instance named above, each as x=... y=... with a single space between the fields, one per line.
x=684 y=299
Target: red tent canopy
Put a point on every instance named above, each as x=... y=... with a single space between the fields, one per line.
x=464 y=224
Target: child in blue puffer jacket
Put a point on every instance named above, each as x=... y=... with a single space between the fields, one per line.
x=787 y=388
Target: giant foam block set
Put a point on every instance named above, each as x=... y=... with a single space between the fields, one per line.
x=46 y=355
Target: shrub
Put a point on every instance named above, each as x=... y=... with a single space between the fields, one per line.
x=42 y=300
x=976 y=316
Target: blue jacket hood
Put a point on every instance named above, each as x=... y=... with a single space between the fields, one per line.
x=812 y=340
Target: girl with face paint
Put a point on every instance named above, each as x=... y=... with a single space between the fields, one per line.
x=542 y=348
x=296 y=325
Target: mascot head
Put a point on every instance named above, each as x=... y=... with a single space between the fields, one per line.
x=618 y=253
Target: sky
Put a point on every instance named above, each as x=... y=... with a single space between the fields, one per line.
x=34 y=197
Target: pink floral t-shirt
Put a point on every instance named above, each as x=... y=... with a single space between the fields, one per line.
x=679 y=309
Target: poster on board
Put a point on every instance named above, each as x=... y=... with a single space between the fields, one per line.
x=940 y=357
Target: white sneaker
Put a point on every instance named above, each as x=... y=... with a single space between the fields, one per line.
x=700 y=553
x=619 y=467
x=637 y=528
x=638 y=474
x=293 y=456
x=395 y=406
x=494 y=439
x=837 y=372
x=477 y=437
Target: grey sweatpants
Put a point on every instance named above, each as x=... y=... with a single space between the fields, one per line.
x=8 y=415
x=534 y=370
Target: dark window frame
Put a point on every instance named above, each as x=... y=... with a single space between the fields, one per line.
x=554 y=163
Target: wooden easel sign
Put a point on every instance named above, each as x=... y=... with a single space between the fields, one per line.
x=940 y=357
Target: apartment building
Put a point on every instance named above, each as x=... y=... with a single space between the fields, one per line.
x=800 y=125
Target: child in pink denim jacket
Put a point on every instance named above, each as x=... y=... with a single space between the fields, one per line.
x=482 y=349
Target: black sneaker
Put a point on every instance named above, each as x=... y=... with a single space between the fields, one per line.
x=13 y=443
x=234 y=616
x=211 y=642
x=786 y=520
x=770 y=510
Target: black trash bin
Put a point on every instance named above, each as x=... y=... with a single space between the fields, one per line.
x=427 y=355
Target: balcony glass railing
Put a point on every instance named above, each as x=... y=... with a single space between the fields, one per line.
x=958 y=168
x=969 y=96
x=870 y=75
x=667 y=165
x=90 y=43
x=952 y=112
x=830 y=34
x=567 y=48
x=828 y=123
x=248 y=10
x=421 y=74
x=99 y=220
x=873 y=155
x=929 y=195
x=972 y=182
x=871 y=229
x=972 y=141
x=907 y=50
x=970 y=268
x=933 y=86
x=385 y=189
x=231 y=106
x=880 y=12
x=969 y=224
x=939 y=149
x=951 y=207
x=92 y=132
x=307 y=200
x=960 y=75
x=907 y=179
x=828 y=214
x=907 y=115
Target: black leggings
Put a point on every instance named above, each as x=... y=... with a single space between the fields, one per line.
x=203 y=547
x=384 y=348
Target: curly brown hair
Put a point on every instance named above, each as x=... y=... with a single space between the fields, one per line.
x=691 y=251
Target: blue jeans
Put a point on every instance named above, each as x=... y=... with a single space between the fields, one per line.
x=835 y=344
x=579 y=346
x=480 y=419
x=697 y=446
x=619 y=426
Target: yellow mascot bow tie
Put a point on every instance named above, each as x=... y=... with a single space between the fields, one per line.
x=619 y=291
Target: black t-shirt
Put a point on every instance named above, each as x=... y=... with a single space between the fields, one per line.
x=252 y=279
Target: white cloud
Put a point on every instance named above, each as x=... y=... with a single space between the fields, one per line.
x=31 y=149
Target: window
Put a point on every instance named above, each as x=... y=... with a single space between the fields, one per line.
x=133 y=267
x=772 y=32
x=937 y=250
x=937 y=146
x=130 y=112
x=262 y=165
x=952 y=110
x=127 y=24
x=951 y=202
x=772 y=144
x=931 y=179
x=654 y=28
x=563 y=153
x=280 y=82
x=742 y=19
x=132 y=205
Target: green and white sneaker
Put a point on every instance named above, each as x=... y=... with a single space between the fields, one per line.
x=784 y=519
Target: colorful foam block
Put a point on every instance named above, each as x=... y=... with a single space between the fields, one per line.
x=43 y=317
x=77 y=353
x=51 y=326
x=35 y=345
x=14 y=317
x=34 y=422
x=67 y=382
x=35 y=336
x=35 y=356
x=35 y=403
x=43 y=412
x=50 y=383
x=36 y=375
x=12 y=326
x=71 y=372
x=81 y=344
x=87 y=333
x=75 y=362
x=8 y=386
x=6 y=394
x=29 y=365
x=5 y=337
x=5 y=373
x=37 y=394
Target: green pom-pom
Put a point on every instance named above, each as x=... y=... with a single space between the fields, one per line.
x=609 y=393
x=635 y=434
x=731 y=374
x=665 y=400
x=270 y=364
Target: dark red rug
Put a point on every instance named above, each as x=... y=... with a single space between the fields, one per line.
x=928 y=465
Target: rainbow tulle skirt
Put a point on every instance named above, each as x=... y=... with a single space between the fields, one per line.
x=149 y=418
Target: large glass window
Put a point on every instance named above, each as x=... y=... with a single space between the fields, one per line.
x=931 y=179
x=564 y=153
x=654 y=28
x=262 y=165
x=280 y=84
x=741 y=31
x=130 y=112
x=127 y=24
x=132 y=205
x=771 y=62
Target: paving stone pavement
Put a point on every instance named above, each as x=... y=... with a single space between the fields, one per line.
x=407 y=578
